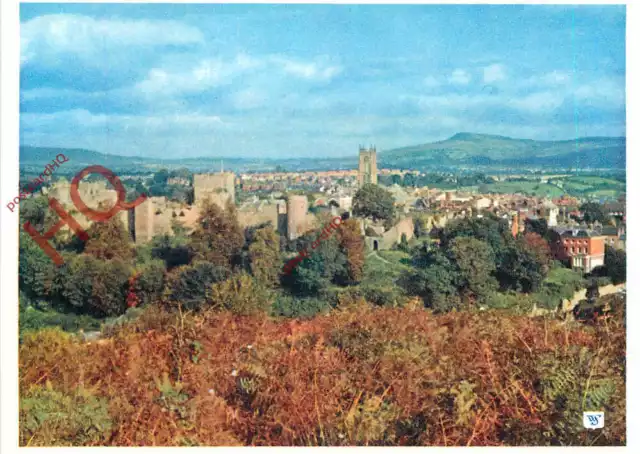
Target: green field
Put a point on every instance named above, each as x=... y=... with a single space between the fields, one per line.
x=526 y=187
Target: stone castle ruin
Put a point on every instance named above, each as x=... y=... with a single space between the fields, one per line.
x=156 y=215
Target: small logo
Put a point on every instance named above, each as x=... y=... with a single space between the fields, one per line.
x=593 y=419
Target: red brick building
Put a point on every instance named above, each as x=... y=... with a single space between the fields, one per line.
x=578 y=248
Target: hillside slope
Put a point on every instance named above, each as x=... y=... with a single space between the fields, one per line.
x=484 y=149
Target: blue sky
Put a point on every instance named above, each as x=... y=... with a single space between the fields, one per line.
x=314 y=80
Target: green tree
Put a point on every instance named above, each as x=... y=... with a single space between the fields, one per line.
x=520 y=270
x=372 y=201
x=189 y=285
x=149 y=282
x=161 y=177
x=264 y=256
x=172 y=249
x=36 y=270
x=108 y=240
x=324 y=265
x=538 y=226
x=433 y=279
x=474 y=268
x=352 y=246
x=421 y=226
x=241 y=294
x=593 y=292
x=409 y=179
x=95 y=286
x=593 y=212
x=217 y=237
x=615 y=262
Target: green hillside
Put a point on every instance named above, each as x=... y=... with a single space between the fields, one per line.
x=491 y=150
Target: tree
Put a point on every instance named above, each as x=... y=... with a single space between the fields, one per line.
x=173 y=250
x=593 y=212
x=161 y=177
x=421 y=226
x=433 y=279
x=36 y=270
x=352 y=246
x=519 y=269
x=474 y=267
x=494 y=231
x=375 y=202
x=323 y=265
x=148 y=284
x=539 y=247
x=615 y=261
x=404 y=243
x=538 y=226
x=189 y=285
x=409 y=179
x=218 y=237
x=264 y=256
x=95 y=286
x=108 y=240
x=240 y=294
x=593 y=292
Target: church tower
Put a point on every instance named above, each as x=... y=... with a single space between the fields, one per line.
x=368 y=167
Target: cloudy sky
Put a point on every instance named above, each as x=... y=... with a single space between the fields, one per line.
x=310 y=81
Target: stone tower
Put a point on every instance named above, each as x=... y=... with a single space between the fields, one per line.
x=368 y=167
x=220 y=187
x=297 y=206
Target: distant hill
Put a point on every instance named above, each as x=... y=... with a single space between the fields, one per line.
x=461 y=150
x=36 y=156
x=491 y=150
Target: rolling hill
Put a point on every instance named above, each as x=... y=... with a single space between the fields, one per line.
x=460 y=150
x=492 y=150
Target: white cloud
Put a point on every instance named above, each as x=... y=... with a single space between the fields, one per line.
x=205 y=74
x=431 y=82
x=494 y=73
x=248 y=99
x=47 y=37
x=556 y=78
x=538 y=102
x=460 y=77
x=602 y=92
x=314 y=70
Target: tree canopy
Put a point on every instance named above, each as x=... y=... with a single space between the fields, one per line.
x=372 y=201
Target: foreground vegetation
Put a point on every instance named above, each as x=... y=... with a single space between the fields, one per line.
x=362 y=375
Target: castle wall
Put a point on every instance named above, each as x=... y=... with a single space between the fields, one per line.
x=220 y=187
x=260 y=215
x=297 y=207
x=394 y=234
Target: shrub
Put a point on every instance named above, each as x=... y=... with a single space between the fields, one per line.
x=189 y=284
x=95 y=286
x=49 y=417
x=299 y=307
x=240 y=294
x=34 y=319
x=149 y=282
x=512 y=301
